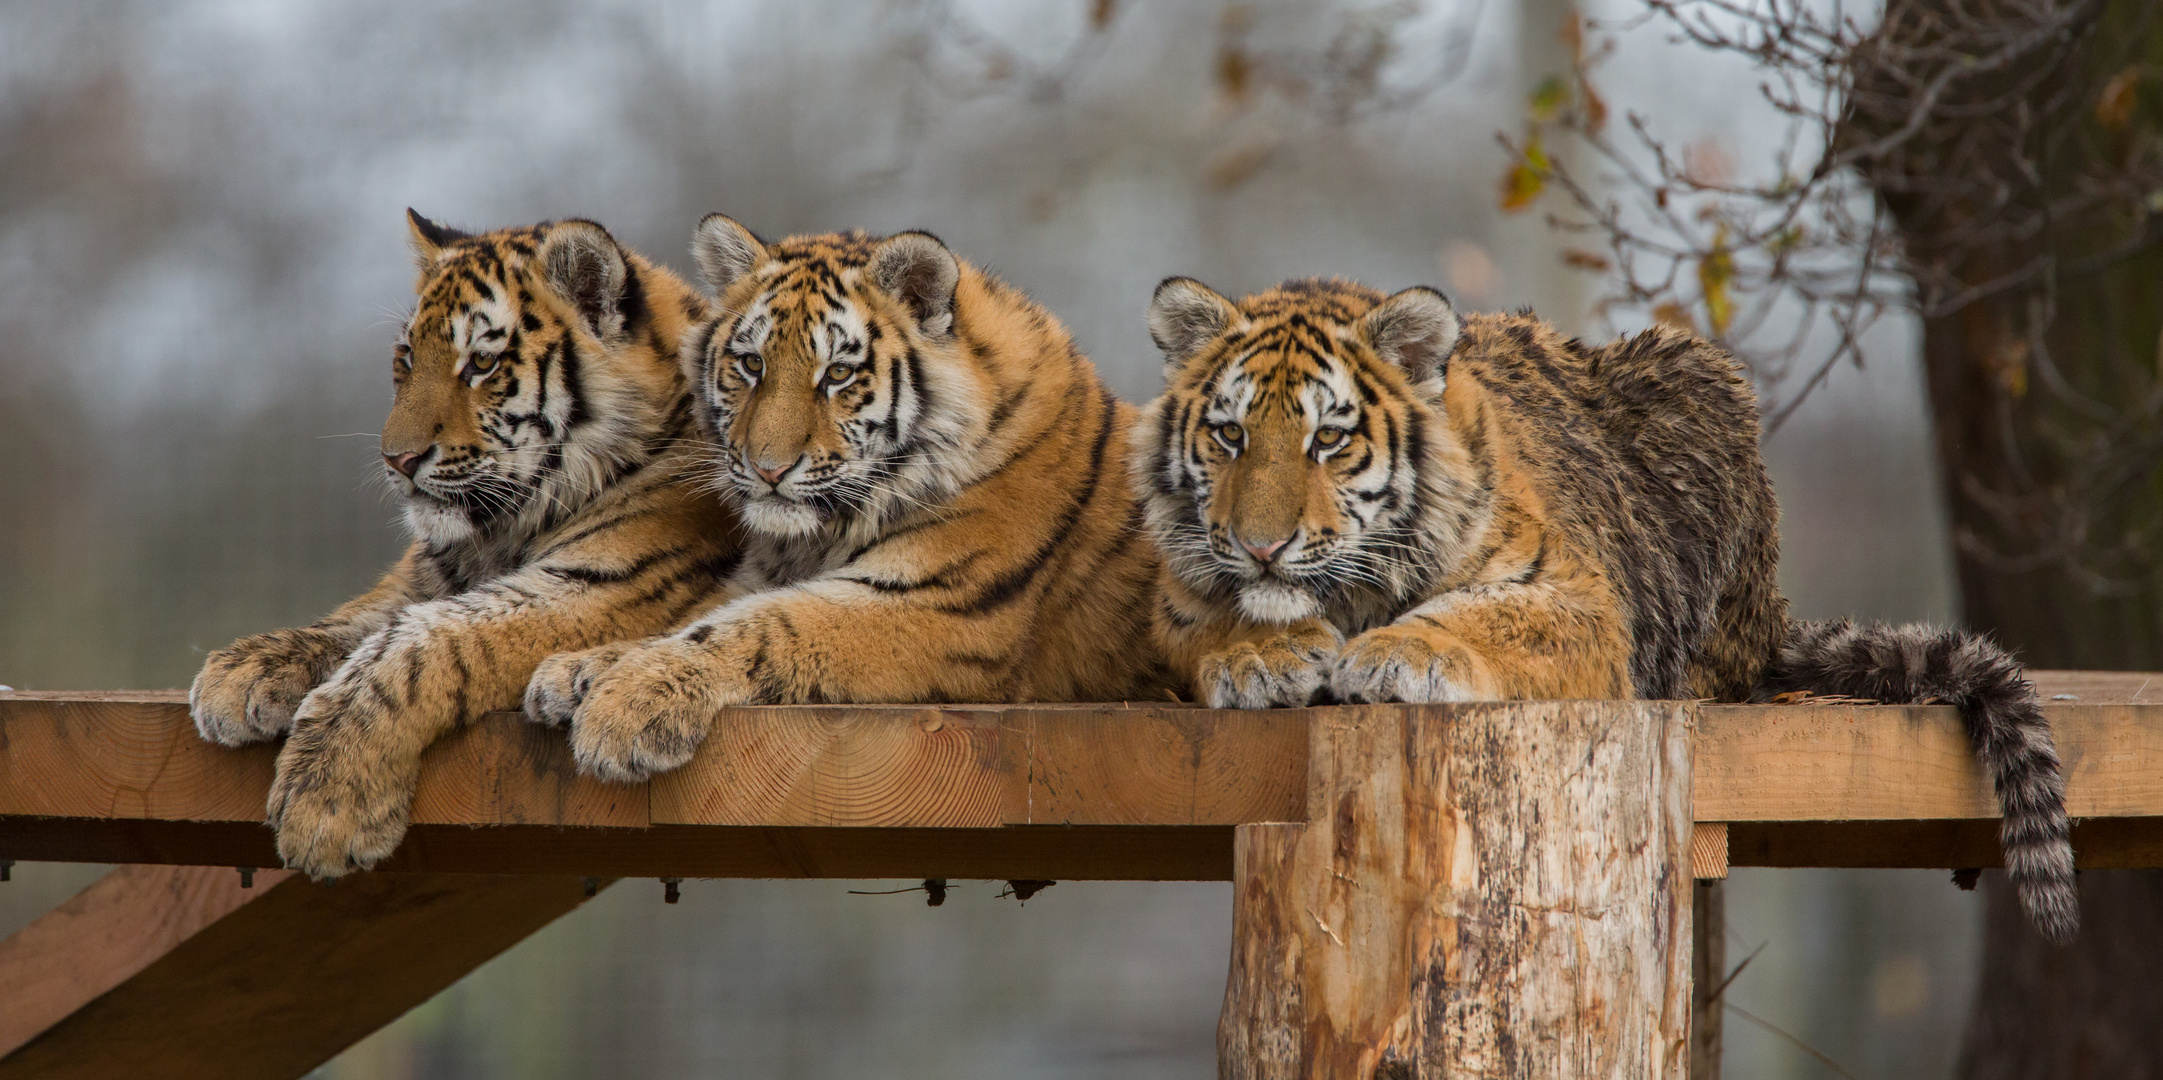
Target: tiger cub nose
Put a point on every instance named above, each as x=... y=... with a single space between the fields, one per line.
x=407 y=463
x=1264 y=552
x=772 y=475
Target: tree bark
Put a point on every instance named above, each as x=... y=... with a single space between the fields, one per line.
x=2043 y=402
x=1493 y=891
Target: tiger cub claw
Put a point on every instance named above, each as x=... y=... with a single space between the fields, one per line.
x=248 y=691
x=1284 y=672
x=648 y=712
x=561 y=682
x=1395 y=665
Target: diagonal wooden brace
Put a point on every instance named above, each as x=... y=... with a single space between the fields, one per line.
x=179 y=971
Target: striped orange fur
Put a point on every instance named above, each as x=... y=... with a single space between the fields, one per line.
x=540 y=437
x=1363 y=498
x=933 y=479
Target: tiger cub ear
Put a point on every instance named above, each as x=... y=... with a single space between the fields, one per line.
x=429 y=238
x=917 y=269
x=584 y=266
x=725 y=251
x=1415 y=330
x=1185 y=315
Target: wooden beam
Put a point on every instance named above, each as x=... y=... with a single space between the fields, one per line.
x=181 y=972
x=1144 y=792
x=1495 y=890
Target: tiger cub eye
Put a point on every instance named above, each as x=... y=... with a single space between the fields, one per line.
x=1231 y=433
x=1329 y=437
x=835 y=374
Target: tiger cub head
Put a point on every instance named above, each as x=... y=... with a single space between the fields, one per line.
x=830 y=375
x=1297 y=456
x=538 y=365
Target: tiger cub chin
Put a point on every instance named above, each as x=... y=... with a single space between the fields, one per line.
x=540 y=439
x=934 y=482
x=1360 y=498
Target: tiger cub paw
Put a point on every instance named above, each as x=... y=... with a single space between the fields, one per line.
x=248 y=691
x=1287 y=670
x=649 y=711
x=1399 y=664
x=336 y=805
x=560 y=684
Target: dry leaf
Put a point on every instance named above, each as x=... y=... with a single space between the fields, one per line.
x=1671 y=313
x=1714 y=274
x=1235 y=73
x=2114 y=109
x=1239 y=164
x=1526 y=179
x=1586 y=260
x=1593 y=114
x=1548 y=98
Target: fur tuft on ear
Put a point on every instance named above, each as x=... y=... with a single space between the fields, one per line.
x=917 y=269
x=725 y=251
x=584 y=266
x=1185 y=315
x=429 y=238
x=1415 y=330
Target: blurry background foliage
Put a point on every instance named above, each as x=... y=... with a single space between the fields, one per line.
x=202 y=266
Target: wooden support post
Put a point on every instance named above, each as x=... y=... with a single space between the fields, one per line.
x=179 y=971
x=1492 y=890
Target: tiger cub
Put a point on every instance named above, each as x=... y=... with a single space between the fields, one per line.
x=1361 y=498
x=541 y=439
x=934 y=482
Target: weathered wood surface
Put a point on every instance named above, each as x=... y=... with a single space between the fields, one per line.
x=179 y=972
x=1487 y=890
x=1144 y=792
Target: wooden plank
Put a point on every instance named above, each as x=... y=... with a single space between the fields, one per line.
x=847 y=767
x=1167 y=766
x=1053 y=853
x=1882 y=762
x=2098 y=843
x=1498 y=890
x=2098 y=687
x=134 y=784
x=261 y=984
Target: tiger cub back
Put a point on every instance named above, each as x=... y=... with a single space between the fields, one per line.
x=540 y=442
x=933 y=477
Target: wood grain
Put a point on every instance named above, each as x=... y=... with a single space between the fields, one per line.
x=1882 y=762
x=1470 y=879
x=1708 y=850
x=261 y=987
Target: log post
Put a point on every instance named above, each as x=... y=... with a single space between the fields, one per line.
x=1486 y=890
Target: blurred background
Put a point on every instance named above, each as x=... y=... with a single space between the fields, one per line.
x=203 y=265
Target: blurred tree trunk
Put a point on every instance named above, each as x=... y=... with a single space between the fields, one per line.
x=2049 y=467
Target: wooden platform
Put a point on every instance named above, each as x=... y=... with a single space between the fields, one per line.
x=1147 y=792
x=172 y=967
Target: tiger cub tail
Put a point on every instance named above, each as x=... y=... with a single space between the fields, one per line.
x=1919 y=663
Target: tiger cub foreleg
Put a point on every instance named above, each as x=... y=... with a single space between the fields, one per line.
x=1489 y=643
x=346 y=776
x=248 y=690
x=825 y=640
x=1231 y=663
